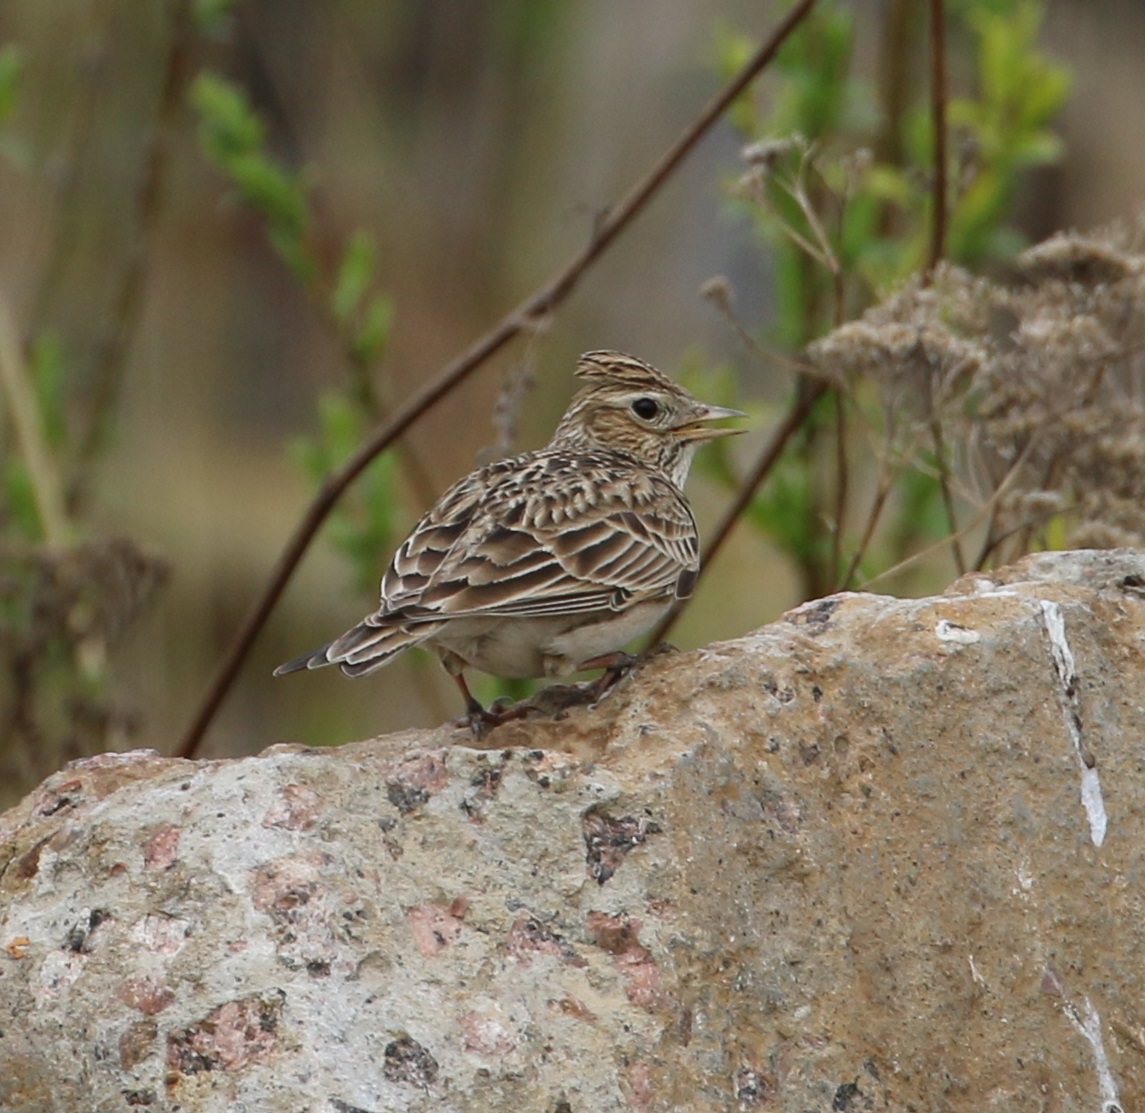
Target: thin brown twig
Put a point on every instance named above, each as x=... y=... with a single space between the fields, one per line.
x=62 y=187
x=718 y=291
x=808 y=393
x=989 y=509
x=938 y=120
x=818 y=249
x=895 y=49
x=943 y=464
x=842 y=480
x=1025 y=529
x=842 y=471
x=535 y=307
x=127 y=302
x=829 y=260
x=882 y=492
x=886 y=479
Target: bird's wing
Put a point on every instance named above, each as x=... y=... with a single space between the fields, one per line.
x=522 y=545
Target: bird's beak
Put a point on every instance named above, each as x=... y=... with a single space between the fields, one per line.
x=698 y=430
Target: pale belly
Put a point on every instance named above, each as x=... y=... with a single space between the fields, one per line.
x=551 y=646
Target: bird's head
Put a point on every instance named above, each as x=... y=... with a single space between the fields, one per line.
x=627 y=405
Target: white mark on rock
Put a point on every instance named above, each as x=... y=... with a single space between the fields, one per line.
x=975 y=976
x=947 y=631
x=1025 y=880
x=988 y=589
x=1091 y=798
x=1090 y=1028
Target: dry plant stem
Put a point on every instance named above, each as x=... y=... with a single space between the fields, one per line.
x=17 y=392
x=989 y=510
x=127 y=301
x=749 y=341
x=1049 y=477
x=533 y=309
x=944 y=486
x=938 y=122
x=988 y=541
x=842 y=480
x=881 y=495
x=842 y=472
x=807 y=395
x=943 y=464
x=824 y=254
x=61 y=190
x=896 y=47
x=1025 y=530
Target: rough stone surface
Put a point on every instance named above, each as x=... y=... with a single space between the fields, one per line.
x=882 y=854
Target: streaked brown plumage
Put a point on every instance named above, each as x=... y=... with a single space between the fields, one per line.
x=550 y=561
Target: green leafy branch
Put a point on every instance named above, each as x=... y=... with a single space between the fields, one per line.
x=355 y=311
x=842 y=227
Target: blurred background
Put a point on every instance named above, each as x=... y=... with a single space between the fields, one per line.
x=474 y=145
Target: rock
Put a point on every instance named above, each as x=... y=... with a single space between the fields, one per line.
x=882 y=854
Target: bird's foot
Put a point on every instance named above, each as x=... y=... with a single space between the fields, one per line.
x=481 y=720
x=616 y=667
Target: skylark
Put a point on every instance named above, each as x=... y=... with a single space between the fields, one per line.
x=549 y=562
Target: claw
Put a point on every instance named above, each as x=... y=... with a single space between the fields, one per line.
x=481 y=720
x=616 y=667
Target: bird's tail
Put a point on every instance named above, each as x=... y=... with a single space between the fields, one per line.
x=360 y=650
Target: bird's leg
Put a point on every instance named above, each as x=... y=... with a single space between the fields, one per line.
x=481 y=719
x=615 y=665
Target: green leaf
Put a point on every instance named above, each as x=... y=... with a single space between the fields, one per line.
x=270 y=190
x=355 y=275
x=815 y=63
x=733 y=49
x=372 y=337
x=228 y=126
x=20 y=499
x=211 y=15
x=310 y=458
x=233 y=137
x=11 y=67
x=48 y=371
x=340 y=424
x=1037 y=148
x=889 y=183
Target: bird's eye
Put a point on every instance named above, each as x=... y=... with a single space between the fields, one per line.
x=645 y=408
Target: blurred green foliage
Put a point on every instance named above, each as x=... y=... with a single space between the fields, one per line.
x=363 y=527
x=842 y=227
x=11 y=65
x=211 y=15
x=1006 y=128
x=21 y=514
x=64 y=596
x=234 y=138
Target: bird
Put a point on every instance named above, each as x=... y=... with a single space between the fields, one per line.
x=549 y=562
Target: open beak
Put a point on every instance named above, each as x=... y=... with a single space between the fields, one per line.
x=698 y=429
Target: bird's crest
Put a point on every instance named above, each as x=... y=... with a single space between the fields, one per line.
x=622 y=370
